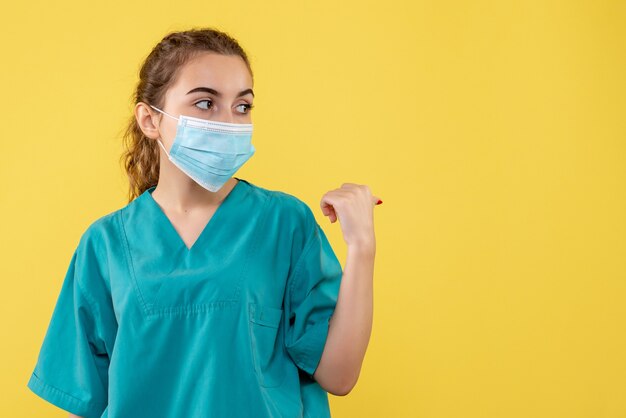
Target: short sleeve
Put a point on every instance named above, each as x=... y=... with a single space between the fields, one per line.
x=313 y=288
x=72 y=367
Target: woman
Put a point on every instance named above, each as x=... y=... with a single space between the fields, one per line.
x=207 y=295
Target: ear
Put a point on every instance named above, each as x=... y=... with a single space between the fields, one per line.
x=146 y=120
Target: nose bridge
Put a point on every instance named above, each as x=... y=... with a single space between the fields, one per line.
x=225 y=115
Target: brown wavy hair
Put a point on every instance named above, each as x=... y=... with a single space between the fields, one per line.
x=158 y=72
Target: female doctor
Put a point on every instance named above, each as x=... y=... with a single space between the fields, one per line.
x=207 y=295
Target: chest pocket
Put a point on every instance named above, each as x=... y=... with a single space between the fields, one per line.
x=266 y=344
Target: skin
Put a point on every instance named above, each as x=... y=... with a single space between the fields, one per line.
x=351 y=323
x=189 y=206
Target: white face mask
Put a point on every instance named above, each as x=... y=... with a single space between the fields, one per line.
x=209 y=152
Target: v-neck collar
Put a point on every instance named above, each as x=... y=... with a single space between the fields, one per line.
x=215 y=218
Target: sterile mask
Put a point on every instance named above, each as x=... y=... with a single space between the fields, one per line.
x=209 y=152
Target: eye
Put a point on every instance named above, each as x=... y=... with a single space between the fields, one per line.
x=246 y=106
x=209 y=103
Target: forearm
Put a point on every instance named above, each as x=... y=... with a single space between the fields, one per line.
x=351 y=323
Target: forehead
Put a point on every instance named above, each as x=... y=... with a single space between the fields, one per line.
x=227 y=74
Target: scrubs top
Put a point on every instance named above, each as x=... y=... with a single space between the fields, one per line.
x=235 y=326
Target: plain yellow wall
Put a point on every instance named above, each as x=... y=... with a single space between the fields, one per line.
x=494 y=132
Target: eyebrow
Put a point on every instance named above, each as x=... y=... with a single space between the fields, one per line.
x=217 y=93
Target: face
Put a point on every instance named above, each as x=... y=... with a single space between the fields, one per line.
x=209 y=86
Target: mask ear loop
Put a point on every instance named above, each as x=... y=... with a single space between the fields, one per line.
x=161 y=144
x=165 y=113
x=158 y=140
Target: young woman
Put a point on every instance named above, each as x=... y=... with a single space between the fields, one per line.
x=207 y=295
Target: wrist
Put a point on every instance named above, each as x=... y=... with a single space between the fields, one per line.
x=363 y=248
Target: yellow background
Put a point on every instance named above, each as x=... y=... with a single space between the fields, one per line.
x=494 y=132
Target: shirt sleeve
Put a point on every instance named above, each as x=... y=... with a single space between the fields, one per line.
x=72 y=367
x=313 y=288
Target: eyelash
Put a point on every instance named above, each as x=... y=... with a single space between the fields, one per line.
x=248 y=106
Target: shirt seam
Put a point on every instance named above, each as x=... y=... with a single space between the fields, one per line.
x=57 y=391
x=300 y=261
x=130 y=263
x=96 y=313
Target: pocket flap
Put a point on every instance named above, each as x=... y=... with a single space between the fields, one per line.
x=265 y=315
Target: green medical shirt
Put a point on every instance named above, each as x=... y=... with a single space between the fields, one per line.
x=233 y=327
